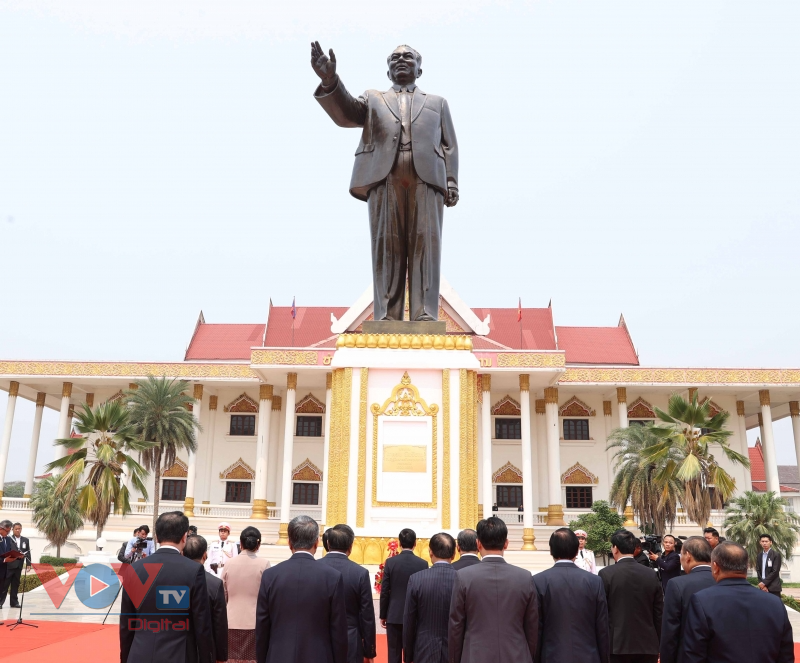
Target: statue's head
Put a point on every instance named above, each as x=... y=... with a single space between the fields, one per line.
x=405 y=65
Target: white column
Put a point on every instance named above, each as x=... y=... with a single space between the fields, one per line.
x=486 y=445
x=63 y=421
x=527 y=463
x=610 y=453
x=794 y=411
x=770 y=459
x=742 y=420
x=275 y=462
x=262 y=451
x=13 y=390
x=541 y=443
x=455 y=451
x=191 y=475
x=288 y=443
x=210 y=433
x=326 y=443
x=555 y=510
x=37 y=429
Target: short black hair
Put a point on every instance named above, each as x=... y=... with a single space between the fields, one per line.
x=303 y=533
x=443 y=545
x=408 y=538
x=711 y=530
x=625 y=541
x=250 y=538
x=670 y=536
x=731 y=557
x=171 y=527
x=468 y=540
x=15 y=524
x=338 y=538
x=492 y=533
x=195 y=548
x=142 y=527
x=698 y=548
x=564 y=543
x=766 y=536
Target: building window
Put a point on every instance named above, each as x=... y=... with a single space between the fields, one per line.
x=507 y=429
x=237 y=491
x=308 y=427
x=305 y=493
x=173 y=489
x=579 y=497
x=576 y=429
x=243 y=424
x=640 y=422
x=509 y=497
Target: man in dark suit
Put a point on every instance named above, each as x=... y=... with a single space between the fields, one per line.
x=396 y=572
x=338 y=542
x=15 y=568
x=768 y=567
x=573 y=615
x=301 y=614
x=196 y=549
x=6 y=545
x=468 y=549
x=494 y=614
x=405 y=182
x=427 y=608
x=733 y=621
x=635 y=603
x=696 y=562
x=184 y=631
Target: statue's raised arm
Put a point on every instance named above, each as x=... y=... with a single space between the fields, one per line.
x=323 y=66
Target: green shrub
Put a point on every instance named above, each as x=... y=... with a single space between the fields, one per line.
x=33 y=580
x=57 y=561
x=791 y=602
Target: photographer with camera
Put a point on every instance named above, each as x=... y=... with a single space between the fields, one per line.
x=140 y=546
x=668 y=563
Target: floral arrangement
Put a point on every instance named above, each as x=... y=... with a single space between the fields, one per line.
x=392 y=546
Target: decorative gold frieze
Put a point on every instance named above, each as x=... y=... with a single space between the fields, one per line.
x=89 y=400
x=238 y=471
x=763 y=397
x=607 y=408
x=506 y=406
x=524 y=382
x=13 y=388
x=182 y=370
x=339 y=445
x=277 y=402
x=578 y=474
x=540 y=406
x=405 y=341
x=178 y=470
x=575 y=407
x=507 y=474
x=242 y=404
x=40 y=398
x=486 y=382
x=291 y=380
x=309 y=405
x=328 y=380
x=212 y=402
x=551 y=395
x=681 y=376
x=198 y=392
x=794 y=408
x=284 y=357
x=641 y=409
x=306 y=471
x=740 y=408
x=530 y=360
x=66 y=390
x=362 y=448
x=622 y=395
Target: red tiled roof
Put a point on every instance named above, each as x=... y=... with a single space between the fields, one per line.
x=597 y=345
x=537 y=327
x=224 y=341
x=758 y=475
x=312 y=325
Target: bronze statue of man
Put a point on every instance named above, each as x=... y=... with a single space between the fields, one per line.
x=406 y=169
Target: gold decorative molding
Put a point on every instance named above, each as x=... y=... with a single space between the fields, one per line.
x=794 y=408
x=277 y=403
x=242 y=404
x=265 y=392
x=507 y=474
x=373 y=551
x=607 y=408
x=763 y=397
x=641 y=409
x=540 y=406
x=188 y=507
x=405 y=341
x=306 y=471
x=178 y=470
x=555 y=515
x=362 y=447
x=530 y=360
x=468 y=447
x=40 y=398
x=628 y=515
x=89 y=400
x=446 y=516
x=198 y=392
x=528 y=539
x=575 y=407
x=339 y=445
x=405 y=401
x=622 y=395
x=238 y=471
x=551 y=395
x=13 y=388
x=71 y=411
x=524 y=382
x=507 y=406
x=328 y=380
x=66 y=388
x=692 y=393
x=212 y=402
x=577 y=475
x=126 y=369
x=682 y=376
x=760 y=419
x=259 y=510
x=283 y=535
x=486 y=382
x=119 y=396
x=309 y=405
x=740 y=408
x=132 y=386
x=713 y=408
x=291 y=381
x=284 y=357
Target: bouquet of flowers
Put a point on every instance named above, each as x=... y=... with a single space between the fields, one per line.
x=393 y=550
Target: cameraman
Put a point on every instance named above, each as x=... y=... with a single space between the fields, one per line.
x=669 y=563
x=140 y=544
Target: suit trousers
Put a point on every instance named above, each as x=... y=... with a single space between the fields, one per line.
x=394 y=642
x=10 y=581
x=405 y=219
x=634 y=658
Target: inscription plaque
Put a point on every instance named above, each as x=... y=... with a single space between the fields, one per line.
x=405 y=458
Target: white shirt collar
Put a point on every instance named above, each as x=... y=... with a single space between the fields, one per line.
x=469 y=554
x=625 y=557
x=441 y=562
x=488 y=556
x=305 y=552
x=169 y=545
x=331 y=552
x=700 y=566
x=565 y=561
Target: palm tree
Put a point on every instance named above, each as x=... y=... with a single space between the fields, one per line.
x=101 y=452
x=160 y=413
x=654 y=501
x=685 y=451
x=56 y=515
x=753 y=514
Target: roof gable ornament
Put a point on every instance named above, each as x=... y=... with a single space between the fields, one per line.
x=178 y=470
x=578 y=474
x=238 y=471
x=641 y=409
x=242 y=404
x=713 y=408
x=116 y=397
x=405 y=401
x=309 y=405
x=507 y=474
x=506 y=406
x=306 y=471
x=575 y=407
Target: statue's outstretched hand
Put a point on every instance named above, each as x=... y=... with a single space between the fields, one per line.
x=323 y=67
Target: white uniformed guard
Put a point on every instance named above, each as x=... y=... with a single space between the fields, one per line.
x=221 y=551
x=585 y=558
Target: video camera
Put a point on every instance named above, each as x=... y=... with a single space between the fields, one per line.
x=651 y=543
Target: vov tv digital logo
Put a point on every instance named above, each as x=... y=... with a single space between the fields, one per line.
x=172 y=598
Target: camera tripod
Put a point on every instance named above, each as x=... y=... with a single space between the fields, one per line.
x=19 y=621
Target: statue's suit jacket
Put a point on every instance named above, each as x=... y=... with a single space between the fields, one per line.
x=433 y=138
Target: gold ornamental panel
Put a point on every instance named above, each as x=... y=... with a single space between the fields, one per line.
x=405 y=341
x=284 y=357
x=126 y=369
x=682 y=376
x=531 y=360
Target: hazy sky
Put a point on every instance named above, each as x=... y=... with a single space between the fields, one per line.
x=161 y=158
